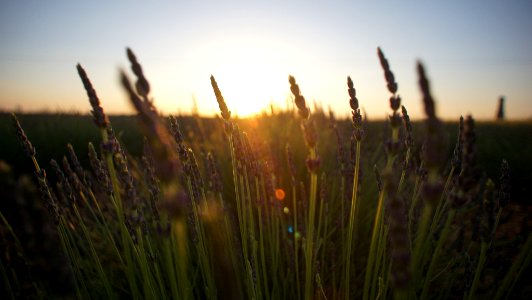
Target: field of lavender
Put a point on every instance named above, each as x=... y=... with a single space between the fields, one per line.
x=288 y=205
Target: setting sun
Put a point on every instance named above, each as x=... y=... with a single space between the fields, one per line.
x=251 y=72
x=250 y=86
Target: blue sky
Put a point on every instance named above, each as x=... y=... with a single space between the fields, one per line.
x=474 y=51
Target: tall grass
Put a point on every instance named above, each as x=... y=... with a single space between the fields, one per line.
x=243 y=215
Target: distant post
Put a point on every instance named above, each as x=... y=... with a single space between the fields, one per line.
x=500 y=110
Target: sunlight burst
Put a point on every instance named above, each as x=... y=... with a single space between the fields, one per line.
x=251 y=73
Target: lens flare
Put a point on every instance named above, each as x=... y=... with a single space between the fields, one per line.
x=280 y=194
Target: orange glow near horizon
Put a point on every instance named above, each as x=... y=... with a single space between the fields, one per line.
x=251 y=73
x=251 y=48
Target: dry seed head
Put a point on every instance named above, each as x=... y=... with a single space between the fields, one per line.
x=395 y=102
x=425 y=91
x=434 y=148
x=148 y=165
x=111 y=146
x=194 y=175
x=127 y=178
x=142 y=85
x=226 y=114
x=50 y=200
x=73 y=177
x=178 y=137
x=398 y=233
x=99 y=170
x=466 y=183
x=290 y=162
x=308 y=126
x=504 y=193
x=160 y=140
x=357 y=117
x=388 y=75
x=489 y=212
x=153 y=187
x=313 y=164
x=353 y=101
x=299 y=100
x=215 y=178
x=340 y=154
x=456 y=161
x=23 y=139
x=141 y=106
x=358 y=132
x=310 y=132
x=395 y=120
x=77 y=166
x=175 y=130
x=100 y=119
x=62 y=181
x=469 y=154
x=409 y=140
x=406 y=119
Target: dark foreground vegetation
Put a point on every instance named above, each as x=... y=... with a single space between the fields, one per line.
x=287 y=205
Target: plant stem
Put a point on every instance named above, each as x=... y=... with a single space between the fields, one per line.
x=478 y=271
x=439 y=246
x=419 y=245
x=521 y=263
x=375 y=236
x=309 y=251
x=296 y=242
x=352 y=221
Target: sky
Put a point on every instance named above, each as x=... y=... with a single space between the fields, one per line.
x=473 y=52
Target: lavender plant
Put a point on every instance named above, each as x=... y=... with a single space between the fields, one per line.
x=229 y=212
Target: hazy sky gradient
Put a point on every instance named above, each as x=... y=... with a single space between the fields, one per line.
x=474 y=51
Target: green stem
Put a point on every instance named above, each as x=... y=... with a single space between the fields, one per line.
x=117 y=202
x=442 y=204
x=478 y=271
x=374 y=240
x=380 y=262
x=520 y=263
x=403 y=173
x=180 y=242
x=419 y=245
x=74 y=258
x=296 y=242
x=96 y=259
x=352 y=221
x=147 y=278
x=437 y=251
x=309 y=251
x=171 y=271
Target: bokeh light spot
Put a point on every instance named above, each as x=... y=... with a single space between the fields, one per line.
x=280 y=194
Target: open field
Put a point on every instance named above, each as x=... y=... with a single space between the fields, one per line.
x=287 y=205
x=50 y=134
